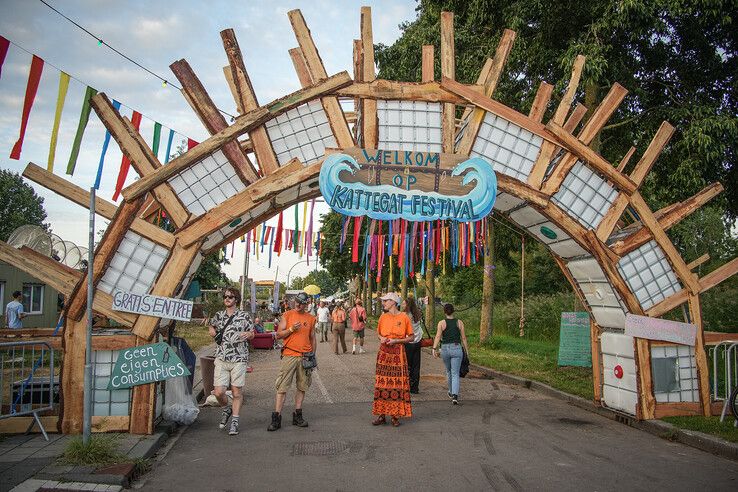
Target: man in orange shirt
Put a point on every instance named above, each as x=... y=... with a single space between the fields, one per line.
x=297 y=328
x=392 y=382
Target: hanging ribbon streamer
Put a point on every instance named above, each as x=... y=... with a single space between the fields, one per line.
x=310 y=230
x=297 y=226
x=304 y=222
x=355 y=245
x=60 y=98
x=34 y=76
x=84 y=117
x=100 y=165
x=125 y=163
x=157 y=137
x=4 y=45
x=278 y=242
x=169 y=146
x=344 y=227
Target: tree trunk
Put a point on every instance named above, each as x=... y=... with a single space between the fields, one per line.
x=370 y=300
x=430 y=290
x=403 y=284
x=488 y=285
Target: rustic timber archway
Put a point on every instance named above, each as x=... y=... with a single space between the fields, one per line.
x=550 y=183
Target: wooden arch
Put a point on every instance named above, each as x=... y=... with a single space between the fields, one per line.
x=227 y=184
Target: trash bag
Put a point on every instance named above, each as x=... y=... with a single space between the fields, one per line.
x=187 y=356
x=180 y=405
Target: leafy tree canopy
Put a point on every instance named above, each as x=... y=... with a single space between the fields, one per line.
x=328 y=283
x=19 y=204
x=210 y=274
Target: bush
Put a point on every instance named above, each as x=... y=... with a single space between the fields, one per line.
x=542 y=316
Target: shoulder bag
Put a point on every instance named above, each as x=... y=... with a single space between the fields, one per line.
x=219 y=335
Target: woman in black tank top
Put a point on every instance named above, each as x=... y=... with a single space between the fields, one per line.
x=450 y=332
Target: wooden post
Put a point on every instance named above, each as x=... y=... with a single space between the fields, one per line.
x=448 y=70
x=71 y=377
x=594 y=337
x=143 y=404
x=369 y=130
x=700 y=355
x=370 y=296
x=486 y=325
x=403 y=284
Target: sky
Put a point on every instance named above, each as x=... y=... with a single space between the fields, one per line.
x=155 y=34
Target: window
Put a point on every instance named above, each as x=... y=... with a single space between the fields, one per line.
x=33 y=298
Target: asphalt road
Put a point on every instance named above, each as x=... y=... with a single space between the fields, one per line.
x=500 y=437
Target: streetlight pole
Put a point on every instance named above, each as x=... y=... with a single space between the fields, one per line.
x=293 y=266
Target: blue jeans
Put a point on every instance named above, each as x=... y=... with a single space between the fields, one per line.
x=452 y=354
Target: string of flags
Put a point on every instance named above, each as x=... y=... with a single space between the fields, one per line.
x=34 y=78
x=408 y=246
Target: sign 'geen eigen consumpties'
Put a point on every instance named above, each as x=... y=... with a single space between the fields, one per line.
x=150 y=305
x=146 y=364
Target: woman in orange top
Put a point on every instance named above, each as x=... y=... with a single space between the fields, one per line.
x=391 y=382
x=339 y=327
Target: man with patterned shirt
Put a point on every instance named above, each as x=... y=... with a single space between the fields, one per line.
x=231 y=355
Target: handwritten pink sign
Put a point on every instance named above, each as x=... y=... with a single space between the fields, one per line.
x=660 y=329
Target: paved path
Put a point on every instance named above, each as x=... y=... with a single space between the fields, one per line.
x=500 y=437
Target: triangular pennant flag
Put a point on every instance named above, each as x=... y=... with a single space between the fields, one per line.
x=60 y=98
x=84 y=116
x=34 y=76
x=125 y=163
x=4 y=45
x=169 y=146
x=157 y=137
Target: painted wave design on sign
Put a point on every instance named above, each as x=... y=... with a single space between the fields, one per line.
x=387 y=202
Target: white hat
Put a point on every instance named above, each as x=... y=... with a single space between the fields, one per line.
x=392 y=296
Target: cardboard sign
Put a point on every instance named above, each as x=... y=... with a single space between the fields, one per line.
x=660 y=329
x=150 y=305
x=575 y=348
x=416 y=186
x=146 y=364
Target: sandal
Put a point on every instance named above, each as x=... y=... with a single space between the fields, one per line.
x=395 y=422
x=379 y=420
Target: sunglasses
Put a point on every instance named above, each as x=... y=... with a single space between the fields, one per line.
x=229 y=297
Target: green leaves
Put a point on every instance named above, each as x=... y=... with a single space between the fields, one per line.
x=19 y=204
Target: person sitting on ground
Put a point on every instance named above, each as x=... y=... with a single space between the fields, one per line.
x=358 y=323
x=450 y=332
x=391 y=382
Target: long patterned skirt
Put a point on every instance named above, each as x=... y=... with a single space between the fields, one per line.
x=391 y=383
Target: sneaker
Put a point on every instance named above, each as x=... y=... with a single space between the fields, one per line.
x=450 y=396
x=234 y=427
x=224 y=417
x=298 y=420
x=455 y=399
x=353 y=351
x=276 y=422
x=361 y=350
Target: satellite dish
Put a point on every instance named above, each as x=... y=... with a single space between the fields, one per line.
x=33 y=236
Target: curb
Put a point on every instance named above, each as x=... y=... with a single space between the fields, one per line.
x=664 y=430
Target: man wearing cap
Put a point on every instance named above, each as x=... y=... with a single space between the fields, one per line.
x=392 y=382
x=297 y=329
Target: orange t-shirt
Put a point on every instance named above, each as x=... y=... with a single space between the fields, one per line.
x=298 y=342
x=339 y=315
x=394 y=325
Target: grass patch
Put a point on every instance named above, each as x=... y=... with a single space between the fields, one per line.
x=196 y=334
x=101 y=450
x=708 y=425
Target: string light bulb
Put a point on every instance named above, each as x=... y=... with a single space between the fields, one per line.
x=164 y=83
x=99 y=42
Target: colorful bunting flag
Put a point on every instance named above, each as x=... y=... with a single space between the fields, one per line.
x=34 y=76
x=125 y=163
x=100 y=165
x=84 y=117
x=60 y=98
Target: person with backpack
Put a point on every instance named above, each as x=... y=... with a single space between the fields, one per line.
x=450 y=332
x=358 y=323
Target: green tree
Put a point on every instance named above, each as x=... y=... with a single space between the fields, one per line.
x=19 y=204
x=210 y=273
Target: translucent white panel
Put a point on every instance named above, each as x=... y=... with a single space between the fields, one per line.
x=511 y=149
x=505 y=202
x=619 y=392
x=567 y=249
x=684 y=370
x=648 y=274
x=585 y=195
x=409 y=125
x=586 y=270
x=609 y=317
x=527 y=217
x=206 y=184
x=135 y=265
x=107 y=403
x=302 y=132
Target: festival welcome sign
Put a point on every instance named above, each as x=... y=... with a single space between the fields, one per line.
x=416 y=186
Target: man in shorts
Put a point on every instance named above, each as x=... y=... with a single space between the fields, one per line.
x=297 y=329
x=323 y=321
x=231 y=356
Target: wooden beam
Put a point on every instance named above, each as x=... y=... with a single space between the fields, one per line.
x=211 y=117
x=106 y=248
x=659 y=235
x=521 y=190
x=53 y=273
x=575 y=117
x=448 y=71
x=170 y=277
x=72 y=375
x=659 y=141
x=143 y=404
x=402 y=91
x=358 y=59
x=427 y=70
x=540 y=103
x=484 y=73
x=81 y=197
x=699 y=261
x=576 y=74
x=497 y=108
x=595 y=160
x=626 y=158
x=290 y=174
x=243 y=124
x=301 y=68
x=594 y=337
x=232 y=86
x=700 y=354
x=602 y=113
x=102 y=303
x=369 y=122
x=19 y=425
x=495 y=72
x=667 y=217
x=317 y=71
x=676 y=409
x=143 y=160
x=246 y=99
x=715 y=337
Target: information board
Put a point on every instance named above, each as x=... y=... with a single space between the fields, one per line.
x=575 y=348
x=146 y=364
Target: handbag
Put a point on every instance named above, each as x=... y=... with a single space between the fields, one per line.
x=464 y=369
x=426 y=341
x=219 y=335
x=309 y=360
